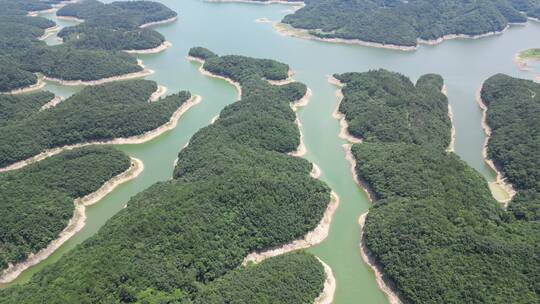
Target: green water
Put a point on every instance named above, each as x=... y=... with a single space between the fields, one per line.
x=231 y=29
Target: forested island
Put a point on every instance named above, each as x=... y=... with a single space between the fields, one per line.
x=120 y=109
x=396 y=23
x=114 y=26
x=435 y=230
x=36 y=202
x=235 y=190
x=91 y=51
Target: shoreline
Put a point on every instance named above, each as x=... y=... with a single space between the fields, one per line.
x=288 y=30
x=295 y=105
x=160 y=48
x=500 y=180
x=56 y=100
x=329 y=289
x=169 y=20
x=69 y=18
x=161 y=90
x=369 y=259
x=312 y=238
x=145 y=72
x=49 y=32
x=523 y=63
x=137 y=139
x=452 y=145
x=75 y=224
x=344 y=126
x=209 y=74
x=293 y=3
x=34 y=87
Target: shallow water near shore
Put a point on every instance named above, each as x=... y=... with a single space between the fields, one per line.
x=230 y=28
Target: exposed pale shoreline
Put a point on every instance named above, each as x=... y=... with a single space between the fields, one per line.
x=69 y=18
x=207 y=73
x=522 y=63
x=263 y=20
x=137 y=139
x=161 y=90
x=288 y=30
x=56 y=100
x=165 y=45
x=172 y=19
x=36 y=86
x=329 y=289
x=75 y=224
x=302 y=102
x=500 y=181
x=49 y=32
x=145 y=72
x=452 y=145
x=368 y=258
x=294 y=3
x=344 y=126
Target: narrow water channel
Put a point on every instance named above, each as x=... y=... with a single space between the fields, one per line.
x=230 y=28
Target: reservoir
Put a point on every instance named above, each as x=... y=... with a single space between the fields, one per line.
x=230 y=28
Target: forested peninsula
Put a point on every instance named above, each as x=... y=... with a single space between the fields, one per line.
x=235 y=190
x=435 y=230
x=396 y=23
x=114 y=26
x=121 y=109
x=37 y=202
x=94 y=54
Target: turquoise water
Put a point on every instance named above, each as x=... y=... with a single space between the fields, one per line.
x=231 y=29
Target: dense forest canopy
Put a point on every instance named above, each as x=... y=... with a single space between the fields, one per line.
x=36 y=202
x=114 y=26
x=399 y=22
x=235 y=190
x=19 y=107
x=435 y=229
x=97 y=113
x=513 y=116
x=97 y=55
x=385 y=106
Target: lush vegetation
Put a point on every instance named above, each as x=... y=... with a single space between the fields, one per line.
x=235 y=190
x=513 y=115
x=22 y=53
x=18 y=107
x=435 y=229
x=97 y=113
x=36 y=202
x=530 y=54
x=385 y=106
x=114 y=26
x=403 y=22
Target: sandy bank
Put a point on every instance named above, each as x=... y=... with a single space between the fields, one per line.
x=76 y=223
x=294 y=3
x=263 y=20
x=452 y=145
x=165 y=45
x=214 y=119
x=56 y=100
x=145 y=72
x=315 y=171
x=46 y=11
x=344 y=126
x=69 y=18
x=161 y=90
x=285 y=81
x=302 y=102
x=38 y=85
x=312 y=238
x=209 y=74
x=329 y=289
x=500 y=182
x=522 y=63
x=159 y=22
x=368 y=258
x=138 y=139
x=49 y=32
x=461 y=36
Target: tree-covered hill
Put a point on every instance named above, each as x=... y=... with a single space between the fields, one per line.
x=36 y=202
x=98 y=113
x=514 y=117
x=114 y=26
x=235 y=190
x=402 y=23
x=19 y=107
x=435 y=230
